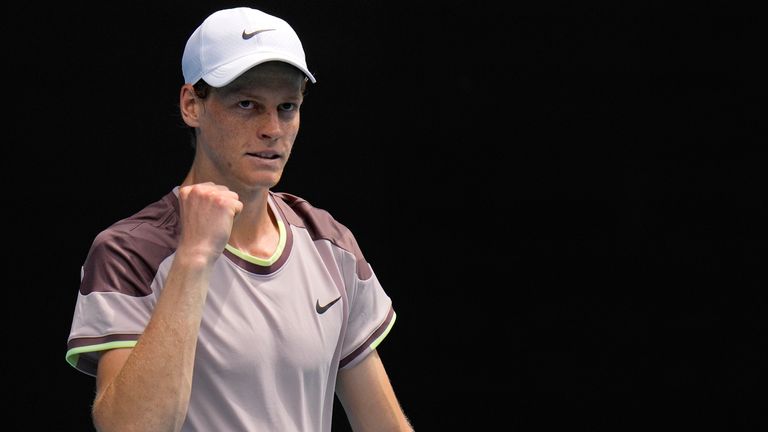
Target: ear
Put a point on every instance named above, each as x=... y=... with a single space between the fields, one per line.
x=189 y=106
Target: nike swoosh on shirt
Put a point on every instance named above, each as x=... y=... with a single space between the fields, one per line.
x=321 y=309
x=247 y=35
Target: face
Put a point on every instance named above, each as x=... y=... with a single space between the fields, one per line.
x=246 y=130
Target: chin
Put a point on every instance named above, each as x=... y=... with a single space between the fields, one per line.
x=264 y=182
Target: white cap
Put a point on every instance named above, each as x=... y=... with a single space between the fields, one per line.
x=231 y=41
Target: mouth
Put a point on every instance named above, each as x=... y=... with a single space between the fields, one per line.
x=267 y=155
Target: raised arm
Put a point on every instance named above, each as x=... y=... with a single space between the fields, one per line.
x=147 y=388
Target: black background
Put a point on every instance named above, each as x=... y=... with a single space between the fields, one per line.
x=566 y=202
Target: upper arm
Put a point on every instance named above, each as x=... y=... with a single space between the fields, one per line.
x=368 y=398
x=110 y=364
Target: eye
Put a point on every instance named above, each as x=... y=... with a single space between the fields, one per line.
x=246 y=104
x=287 y=106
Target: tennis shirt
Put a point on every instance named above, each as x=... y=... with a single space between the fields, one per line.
x=274 y=332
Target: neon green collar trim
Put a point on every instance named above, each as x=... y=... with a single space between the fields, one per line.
x=261 y=261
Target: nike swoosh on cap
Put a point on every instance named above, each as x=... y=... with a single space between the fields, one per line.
x=321 y=309
x=248 y=35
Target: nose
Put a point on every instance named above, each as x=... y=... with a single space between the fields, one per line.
x=269 y=125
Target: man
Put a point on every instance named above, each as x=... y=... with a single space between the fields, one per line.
x=225 y=306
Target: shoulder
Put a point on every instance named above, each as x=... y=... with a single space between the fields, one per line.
x=136 y=244
x=157 y=222
x=319 y=223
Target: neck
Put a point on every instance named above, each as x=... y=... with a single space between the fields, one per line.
x=255 y=229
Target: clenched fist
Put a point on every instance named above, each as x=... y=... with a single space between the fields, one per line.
x=208 y=211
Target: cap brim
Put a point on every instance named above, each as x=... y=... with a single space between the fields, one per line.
x=227 y=73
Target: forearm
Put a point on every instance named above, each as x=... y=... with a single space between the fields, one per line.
x=152 y=388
